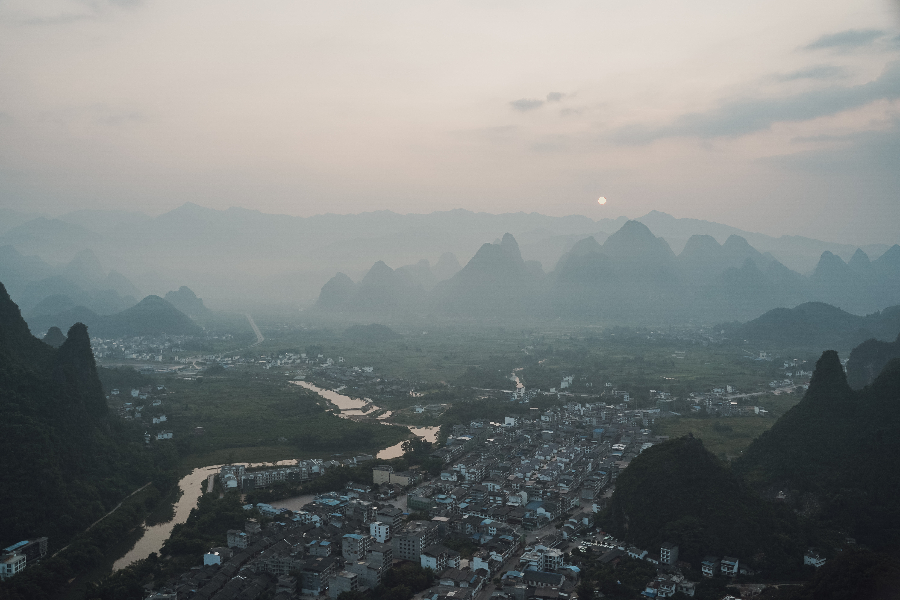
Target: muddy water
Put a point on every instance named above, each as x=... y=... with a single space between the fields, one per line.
x=192 y=485
x=191 y=488
x=396 y=451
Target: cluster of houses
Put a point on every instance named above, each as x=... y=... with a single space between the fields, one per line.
x=144 y=404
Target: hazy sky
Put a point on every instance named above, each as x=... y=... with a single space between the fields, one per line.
x=774 y=116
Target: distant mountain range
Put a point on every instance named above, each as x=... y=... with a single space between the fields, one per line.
x=818 y=325
x=238 y=256
x=151 y=316
x=635 y=277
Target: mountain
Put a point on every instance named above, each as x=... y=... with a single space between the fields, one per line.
x=679 y=492
x=73 y=461
x=816 y=325
x=186 y=301
x=151 y=316
x=633 y=277
x=336 y=294
x=418 y=275
x=85 y=268
x=835 y=453
x=869 y=358
x=54 y=337
x=446 y=267
x=495 y=282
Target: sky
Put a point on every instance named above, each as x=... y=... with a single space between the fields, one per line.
x=772 y=116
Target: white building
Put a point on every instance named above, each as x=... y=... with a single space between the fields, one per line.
x=380 y=531
x=10 y=564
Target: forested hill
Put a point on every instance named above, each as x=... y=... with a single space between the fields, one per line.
x=679 y=492
x=67 y=461
x=836 y=453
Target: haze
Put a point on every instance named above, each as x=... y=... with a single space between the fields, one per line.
x=770 y=116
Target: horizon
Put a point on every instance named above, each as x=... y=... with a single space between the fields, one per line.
x=781 y=117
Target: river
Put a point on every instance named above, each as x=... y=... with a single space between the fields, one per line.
x=192 y=484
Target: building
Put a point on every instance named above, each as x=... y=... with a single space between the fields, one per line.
x=345 y=581
x=390 y=515
x=668 y=553
x=380 y=531
x=709 y=566
x=355 y=546
x=729 y=566
x=34 y=550
x=382 y=474
x=237 y=539
x=439 y=558
x=11 y=564
x=410 y=542
x=540 y=579
x=811 y=557
x=317 y=574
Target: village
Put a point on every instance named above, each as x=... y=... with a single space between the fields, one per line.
x=518 y=497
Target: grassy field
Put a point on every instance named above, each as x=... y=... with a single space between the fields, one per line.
x=725 y=437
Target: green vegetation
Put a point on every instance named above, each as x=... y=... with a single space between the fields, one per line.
x=725 y=437
x=835 y=454
x=679 y=492
x=401 y=582
x=624 y=580
x=249 y=416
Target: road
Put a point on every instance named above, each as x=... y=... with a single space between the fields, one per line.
x=259 y=335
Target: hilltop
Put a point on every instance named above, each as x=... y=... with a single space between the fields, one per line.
x=681 y=493
x=151 y=316
x=73 y=461
x=835 y=454
x=818 y=325
x=634 y=277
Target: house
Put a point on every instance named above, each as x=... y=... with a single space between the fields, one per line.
x=668 y=553
x=811 y=557
x=164 y=435
x=317 y=574
x=11 y=564
x=380 y=531
x=709 y=566
x=237 y=539
x=438 y=558
x=730 y=566
x=355 y=546
x=540 y=579
x=410 y=542
x=345 y=581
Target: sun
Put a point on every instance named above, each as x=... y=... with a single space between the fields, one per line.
x=602 y=200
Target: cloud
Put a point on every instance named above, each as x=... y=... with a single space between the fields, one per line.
x=852 y=38
x=815 y=72
x=555 y=96
x=61 y=12
x=525 y=104
x=745 y=116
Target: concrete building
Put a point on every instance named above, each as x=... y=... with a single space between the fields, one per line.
x=345 y=581
x=355 y=546
x=380 y=531
x=11 y=564
x=668 y=553
x=409 y=542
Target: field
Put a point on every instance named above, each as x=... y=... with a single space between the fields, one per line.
x=250 y=416
x=725 y=437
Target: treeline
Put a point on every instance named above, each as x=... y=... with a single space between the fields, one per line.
x=401 y=582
